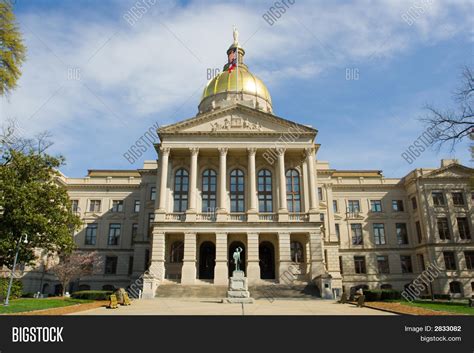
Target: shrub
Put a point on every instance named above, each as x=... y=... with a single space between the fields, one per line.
x=375 y=295
x=92 y=294
x=17 y=288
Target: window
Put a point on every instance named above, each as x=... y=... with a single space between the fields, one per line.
x=359 y=264
x=443 y=229
x=180 y=194
x=75 y=205
x=379 y=233
x=151 y=219
x=397 y=206
x=405 y=261
x=402 y=234
x=438 y=198
x=338 y=231
x=382 y=264
x=334 y=206
x=237 y=191
x=94 y=206
x=419 y=234
x=111 y=265
x=353 y=206
x=421 y=261
x=356 y=232
x=458 y=198
x=134 y=231
x=449 y=260
x=413 y=203
x=147 y=259
x=117 y=206
x=153 y=193
x=296 y=252
x=130 y=265
x=265 y=194
x=177 y=252
x=293 y=197
x=463 y=228
x=209 y=191
x=320 y=194
x=455 y=287
x=114 y=234
x=341 y=266
x=136 y=206
x=91 y=234
x=469 y=255
x=375 y=206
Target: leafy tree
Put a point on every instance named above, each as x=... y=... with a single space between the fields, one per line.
x=33 y=201
x=12 y=49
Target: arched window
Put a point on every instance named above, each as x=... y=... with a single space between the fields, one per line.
x=181 y=187
x=293 y=197
x=237 y=191
x=455 y=287
x=177 y=251
x=209 y=187
x=297 y=253
x=265 y=195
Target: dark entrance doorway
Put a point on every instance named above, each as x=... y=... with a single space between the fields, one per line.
x=234 y=245
x=266 y=253
x=207 y=260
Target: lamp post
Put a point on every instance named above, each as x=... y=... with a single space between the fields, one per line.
x=13 y=269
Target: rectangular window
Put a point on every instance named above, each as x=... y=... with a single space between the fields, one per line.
x=353 y=206
x=438 y=198
x=405 y=261
x=359 y=264
x=117 y=206
x=341 y=267
x=111 y=265
x=94 y=205
x=443 y=229
x=397 y=205
x=114 y=234
x=402 y=234
x=338 y=231
x=134 y=231
x=458 y=198
x=375 y=205
x=91 y=234
x=379 y=233
x=136 y=206
x=151 y=219
x=469 y=255
x=334 y=206
x=153 y=193
x=449 y=260
x=463 y=228
x=419 y=234
x=421 y=261
x=130 y=265
x=320 y=194
x=356 y=232
x=413 y=203
x=75 y=205
x=382 y=264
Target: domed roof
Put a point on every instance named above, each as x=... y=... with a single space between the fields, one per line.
x=235 y=83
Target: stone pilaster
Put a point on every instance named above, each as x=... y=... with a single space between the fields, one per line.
x=156 y=273
x=221 y=271
x=253 y=266
x=316 y=254
x=285 y=257
x=188 y=271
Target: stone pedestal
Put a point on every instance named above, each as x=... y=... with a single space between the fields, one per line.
x=238 y=289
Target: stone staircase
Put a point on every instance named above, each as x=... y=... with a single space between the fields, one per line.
x=168 y=290
x=285 y=291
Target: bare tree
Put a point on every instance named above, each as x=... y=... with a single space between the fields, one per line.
x=75 y=265
x=452 y=126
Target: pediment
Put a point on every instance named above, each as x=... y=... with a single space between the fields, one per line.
x=236 y=120
x=452 y=171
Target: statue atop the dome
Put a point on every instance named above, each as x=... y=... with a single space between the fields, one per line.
x=236 y=36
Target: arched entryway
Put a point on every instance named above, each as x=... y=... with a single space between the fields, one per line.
x=234 y=245
x=207 y=260
x=266 y=253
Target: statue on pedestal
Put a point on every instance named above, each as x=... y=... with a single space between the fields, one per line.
x=236 y=257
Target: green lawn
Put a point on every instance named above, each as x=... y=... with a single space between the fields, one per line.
x=450 y=307
x=27 y=304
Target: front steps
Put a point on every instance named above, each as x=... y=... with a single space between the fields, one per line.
x=284 y=291
x=191 y=291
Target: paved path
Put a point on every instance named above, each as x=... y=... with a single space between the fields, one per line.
x=199 y=306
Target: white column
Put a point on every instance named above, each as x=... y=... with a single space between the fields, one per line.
x=162 y=181
x=329 y=222
x=191 y=212
x=312 y=179
x=283 y=209
x=188 y=271
x=221 y=271
x=285 y=273
x=252 y=212
x=253 y=266
x=222 y=193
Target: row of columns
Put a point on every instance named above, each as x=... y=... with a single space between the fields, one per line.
x=222 y=181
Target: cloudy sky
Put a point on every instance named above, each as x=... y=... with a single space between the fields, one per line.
x=361 y=72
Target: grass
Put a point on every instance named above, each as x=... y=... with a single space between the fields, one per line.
x=27 y=304
x=457 y=308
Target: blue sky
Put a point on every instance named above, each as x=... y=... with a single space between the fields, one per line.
x=97 y=83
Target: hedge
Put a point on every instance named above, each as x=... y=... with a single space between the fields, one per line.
x=16 y=291
x=377 y=295
x=92 y=294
